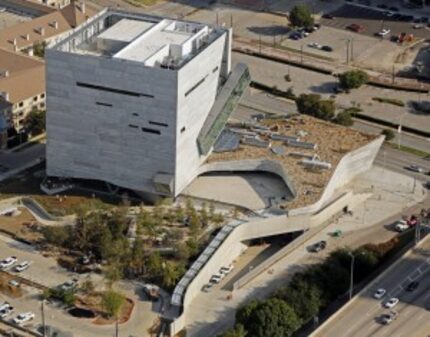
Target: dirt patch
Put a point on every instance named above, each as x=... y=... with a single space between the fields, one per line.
x=22 y=226
x=8 y=289
x=93 y=302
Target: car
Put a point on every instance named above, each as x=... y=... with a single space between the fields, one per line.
x=152 y=291
x=226 y=270
x=401 y=225
x=427 y=185
x=379 y=293
x=216 y=278
x=327 y=48
x=318 y=246
x=69 y=285
x=304 y=32
x=412 y=286
x=6 y=312
x=384 y=32
x=207 y=287
x=388 y=317
x=23 y=318
x=415 y=168
x=328 y=16
x=391 y=303
x=314 y=45
x=388 y=14
x=5 y=305
x=295 y=36
x=22 y=266
x=2 y=9
x=7 y=262
x=14 y=283
x=356 y=28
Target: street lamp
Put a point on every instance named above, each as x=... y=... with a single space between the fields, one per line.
x=351 y=277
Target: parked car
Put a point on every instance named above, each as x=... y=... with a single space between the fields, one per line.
x=388 y=317
x=226 y=270
x=401 y=225
x=295 y=36
x=6 y=312
x=22 y=266
x=327 y=48
x=388 y=14
x=69 y=285
x=415 y=168
x=314 y=45
x=318 y=246
x=216 y=278
x=4 y=305
x=391 y=303
x=384 y=32
x=7 y=262
x=379 y=293
x=328 y=16
x=23 y=318
x=412 y=286
x=152 y=291
x=356 y=28
x=207 y=287
x=14 y=283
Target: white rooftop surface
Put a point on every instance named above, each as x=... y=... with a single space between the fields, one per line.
x=153 y=41
x=126 y=30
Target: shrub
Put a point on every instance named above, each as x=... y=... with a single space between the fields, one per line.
x=393 y=101
x=300 y=16
x=344 y=118
x=353 y=79
x=313 y=105
x=388 y=133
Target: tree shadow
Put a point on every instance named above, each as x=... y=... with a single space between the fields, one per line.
x=325 y=88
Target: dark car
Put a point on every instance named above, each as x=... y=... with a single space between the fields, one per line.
x=328 y=16
x=427 y=185
x=327 y=48
x=412 y=286
x=295 y=36
x=319 y=246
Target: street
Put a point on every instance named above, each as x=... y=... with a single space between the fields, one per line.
x=360 y=318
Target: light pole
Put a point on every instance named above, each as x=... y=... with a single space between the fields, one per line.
x=351 y=277
x=399 y=129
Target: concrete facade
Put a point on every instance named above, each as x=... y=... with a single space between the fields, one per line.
x=132 y=123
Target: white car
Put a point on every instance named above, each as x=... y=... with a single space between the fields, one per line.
x=5 y=305
x=315 y=45
x=391 y=303
x=22 y=266
x=384 y=32
x=69 y=285
x=401 y=226
x=226 y=270
x=379 y=293
x=6 y=312
x=7 y=262
x=23 y=318
x=415 y=168
x=216 y=278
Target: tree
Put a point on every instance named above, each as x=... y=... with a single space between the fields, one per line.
x=237 y=331
x=35 y=122
x=388 y=133
x=57 y=235
x=273 y=318
x=300 y=16
x=112 y=273
x=39 y=49
x=112 y=303
x=244 y=313
x=344 y=118
x=172 y=272
x=313 y=105
x=154 y=265
x=353 y=79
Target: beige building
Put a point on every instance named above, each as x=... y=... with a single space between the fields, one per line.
x=22 y=74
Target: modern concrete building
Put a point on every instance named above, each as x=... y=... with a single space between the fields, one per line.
x=138 y=100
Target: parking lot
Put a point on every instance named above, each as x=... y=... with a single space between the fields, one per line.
x=373 y=20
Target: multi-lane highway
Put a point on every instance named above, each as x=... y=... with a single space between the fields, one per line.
x=361 y=318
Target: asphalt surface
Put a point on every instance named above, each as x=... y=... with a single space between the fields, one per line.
x=361 y=317
x=373 y=20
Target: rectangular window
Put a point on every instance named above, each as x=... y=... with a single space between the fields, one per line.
x=135 y=114
x=132 y=126
x=113 y=90
x=159 y=124
x=104 y=104
x=195 y=86
x=215 y=69
x=157 y=132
